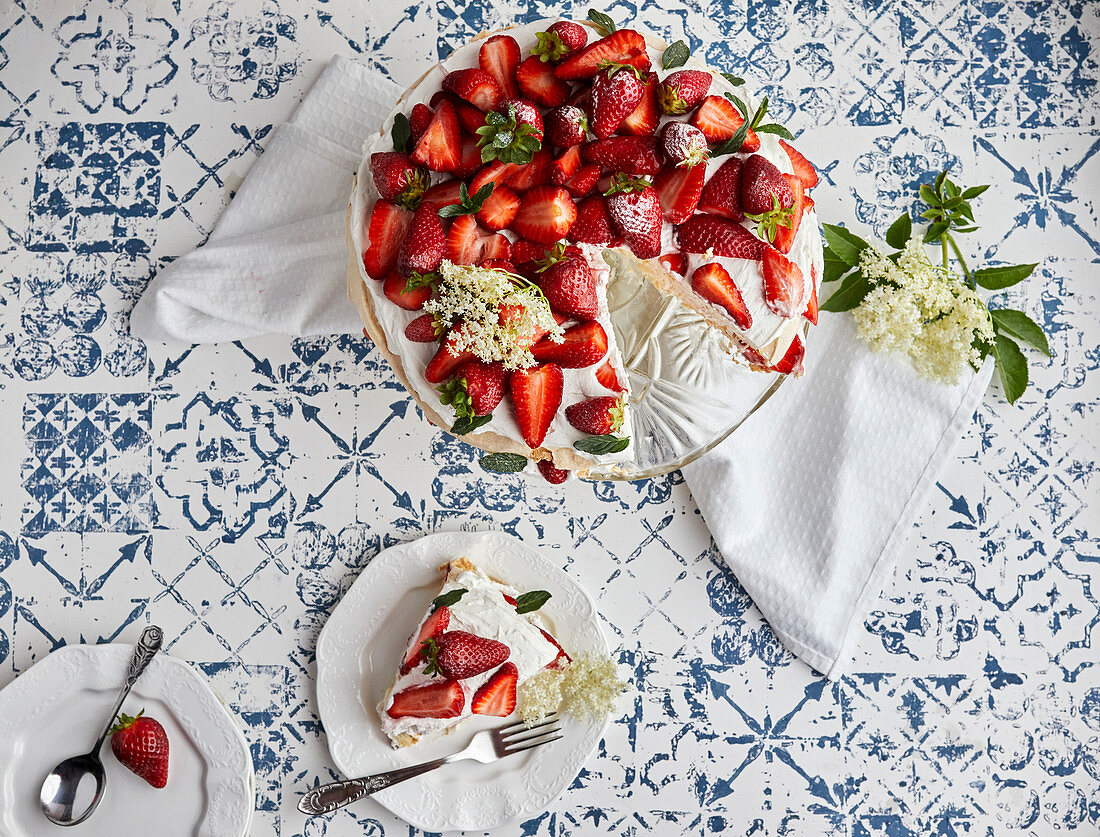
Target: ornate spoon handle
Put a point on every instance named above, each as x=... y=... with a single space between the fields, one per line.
x=325 y=799
x=146 y=649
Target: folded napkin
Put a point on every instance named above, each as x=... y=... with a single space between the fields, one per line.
x=809 y=501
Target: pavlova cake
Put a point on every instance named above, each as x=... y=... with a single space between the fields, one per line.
x=513 y=184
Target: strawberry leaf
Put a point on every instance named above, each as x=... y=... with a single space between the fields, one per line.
x=1003 y=276
x=401 y=133
x=604 y=24
x=599 y=445
x=448 y=599
x=420 y=280
x=1019 y=325
x=503 y=463
x=468 y=424
x=532 y=600
x=675 y=56
x=900 y=232
x=1011 y=367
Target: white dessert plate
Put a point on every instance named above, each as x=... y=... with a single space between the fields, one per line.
x=362 y=643
x=57 y=708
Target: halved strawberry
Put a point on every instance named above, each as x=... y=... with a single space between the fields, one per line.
x=803 y=169
x=632 y=155
x=784 y=235
x=445 y=362
x=722 y=193
x=584 y=181
x=644 y=118
x=495 y=247
x=783 y=283
x=593 y=224
x=422 y=329
x=444 y=193
x=812 y=307
x=475 y=86
x=437 y=699
x=679 y=190
x=791 y=363
x=469 y=159
x=433 y=627
x=609 y=378
x=469 y=117
x=467 y=243
x=385 y=234
x=560 y=40
x=440 y=146
x=562 y=657
x=554 y=476
x=499 y=209
x=566 y=126
x=536 y=396
x=422 y=249
x=674 y=262
x=496 y=172
x=763 y=186
x=624 y=46
x=584 y=344
x=398 y=291
x=535 y=173
x=714 y=284
x=499 y=57
x=701 y=233
x=545 y=214
x=565 y=166
x=497 y=695
x=719 y=120
x=538 y=83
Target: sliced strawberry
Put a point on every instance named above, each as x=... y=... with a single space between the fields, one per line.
x=784 y=234
x=422 y=249
x=608 y=378
x=440 y=146
x=385 y=233
x=679 y=190
x=535 y=173
x=432 y=628
x=632 y=155
x=545 y=215
x=593 y=224
x=497 y=695
x=565 y=166
x=719 y=120
x=812 y=307
x=596 y=416
x=437 y=699
x=616 y=91
x=475 y=86
x=538 y=83
x=562 y=657
x=566 y=126
x=722 y=193
x=645 y=116
x=536 y=396
x=762 y=185
x=635 y=211
x=420 y=117
x=499 y=57
x=570 y=285
x=469 y=117
x=584 y=344
x=496 y=172
x=554 y=476
x=467 y=243
x=674 y=262
x=803 y=169
x=499 y=209
x=498 y=264
x=584 y=181
x=701 y=233
x=683 y=90
x=714 y=284
x=791 y=363
x=470 y=158
x=397 y=290
x=444 y=363
x=422 y=329
x=495 y=247
x=755 y=359
x=444 y=193
x=783 y=284
x=624 y=46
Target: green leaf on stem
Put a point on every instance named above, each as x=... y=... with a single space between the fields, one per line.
x=1003 y=276
x=1019 y=325
x=850 y=294
x=934 y=231
x=1011 y=367
x=401 y=133
x=844 y=243
x=974 y=191
x=900 y=232
x=835 y=267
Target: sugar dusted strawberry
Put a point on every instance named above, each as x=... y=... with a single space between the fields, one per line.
x=635 y=211
x=398 y=179
x=583 y=345
x=631 y=155
x=565 y=166
x=683 y=144
x=538 y=83
x=432 y=628
x=560 y=40
x=645 y=116
x=722 y=193
x=682 y=90
x=616 y=91
x=408 y=292
x=420 y=117
x=783 y=284
x=674 y=262
x=762 y=185
x=424 y=329
x=444 y=193
x=803 y=169
x=569 y=284
x=499 y=209
x=545 y=214
x=512 y=133
x=535 y=173
x=593 y=224
x=527 y=251
x=445 y=361
x=499 y=57
x=436 y=699
x=554 y=476
x=475 y=86
x=785 y=232
x=597 y=416
x=141 y=745
x=566 y=126
x=624 y=46
x=536 y=395
x=497 y=695
x=703 y=233
x=440 y=146
x=386 y=231
x=609 y=378
x=584 y=180
x=791 y=362
x=679 y=190
x=719 y=120
x=476 y=388
x=714 y=284
x=422 y=249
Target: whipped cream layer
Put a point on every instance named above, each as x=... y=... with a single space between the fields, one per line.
x=483 y=611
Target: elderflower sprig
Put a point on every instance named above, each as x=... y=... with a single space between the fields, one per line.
x=903 y=302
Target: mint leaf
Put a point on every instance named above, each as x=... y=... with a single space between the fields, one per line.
x=900 y=232
x=468 y=424
x=448 y=599
x=468 y=204
x=844 y=243
x=503 y=463
x=773 y=128
x=676 y=55
x=604 y=24
x=1019 y=325
x=850 y=294
x=736 y=81
x=599 y=445
x=1004 y=276
x=531 y=601
x=401 y=133
x=1011 y=367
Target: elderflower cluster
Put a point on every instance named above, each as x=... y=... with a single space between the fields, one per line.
x=923 y=311
x=586 y=688
x=494 y=313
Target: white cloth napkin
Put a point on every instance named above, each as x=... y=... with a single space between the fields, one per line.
x=813 y=497
x=809 y=502
x=276 y=260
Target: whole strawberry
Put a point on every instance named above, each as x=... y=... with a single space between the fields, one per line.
x=616 y=91
x=683 y=144
x=682 y=91
x=566 y=126
x=593 y=226
x=459 y=654
x=422 y=249
x=476 y=388
x=560 y=40
x=597 y=416
x=569 y=284
x=635 y=211
x=141 y=745
x=554 y=476
x=398 y=179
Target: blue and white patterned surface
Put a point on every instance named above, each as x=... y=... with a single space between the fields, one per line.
x=231 y=493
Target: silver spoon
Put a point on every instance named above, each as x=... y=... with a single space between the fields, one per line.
x=73 y=789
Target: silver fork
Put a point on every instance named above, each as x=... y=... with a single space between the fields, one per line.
x=486 y=746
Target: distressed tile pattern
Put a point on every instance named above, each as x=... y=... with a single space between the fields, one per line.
x=233 y=492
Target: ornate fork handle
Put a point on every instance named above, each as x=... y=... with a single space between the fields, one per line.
x=327 y=798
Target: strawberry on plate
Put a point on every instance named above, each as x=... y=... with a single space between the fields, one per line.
x=562 y=657
x=444 y=363
x=584 y=344
x=386 y=232
x=408 y=292
x=468 y=243
x=783 y=284
x=475 y=86
x=593 y=224
x=560 y=40
x=440 y=146
x=566 y=279
x=635 y=211
x=141 y=746
x=535 y=173
x=645 y=116
x=624 y=46
x=714 y=284
x=433 y=628
x=722 y=193
x=476 y=389
x=445 y=192
x=762 y=186
x=545 y=214
x=499 y=57
x=683 y=144
x=398 y=179
x=536 y=395
x=461 y=654
x=554 y=476
x=616 y=91
x=497 y=695
x=719 y=120
x=422 y=249
x=566 y=126
x=424 y=329
x=791 y=362
x=682 y=90
x=469 y=160
x=679 y=190
x=499 y=209
x=597 y=416
x=536 y=81
x=436 y=699
x=703 y=233
x=420 y=117
x=631 y=155
x=803 y=169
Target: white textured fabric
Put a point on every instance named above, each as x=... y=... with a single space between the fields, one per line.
x=812 y=498
x=276 y=261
